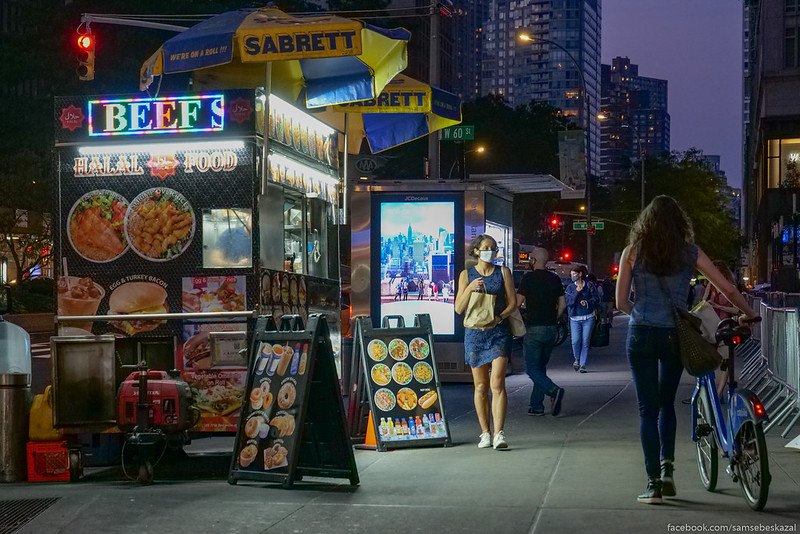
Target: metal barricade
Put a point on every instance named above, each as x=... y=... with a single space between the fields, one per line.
x=772 y=370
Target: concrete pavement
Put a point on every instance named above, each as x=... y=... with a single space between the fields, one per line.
x=578 y=472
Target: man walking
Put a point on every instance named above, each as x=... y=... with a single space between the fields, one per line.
x=544 y=304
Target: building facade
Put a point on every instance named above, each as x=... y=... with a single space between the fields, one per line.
x=771 y=178
x=525 y=71
x=636 y=123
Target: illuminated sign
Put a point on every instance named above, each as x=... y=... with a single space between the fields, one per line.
x=168 y=115
x=160 y=163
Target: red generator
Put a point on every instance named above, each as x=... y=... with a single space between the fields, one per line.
x=171 y=403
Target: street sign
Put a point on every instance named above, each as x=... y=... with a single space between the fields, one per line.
x=458 y=133
x=584 y=225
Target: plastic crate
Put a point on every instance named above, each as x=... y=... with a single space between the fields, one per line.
x=48 y=461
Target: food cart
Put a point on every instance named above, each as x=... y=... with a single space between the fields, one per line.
x=162 y=210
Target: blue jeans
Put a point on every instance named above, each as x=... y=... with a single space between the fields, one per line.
x=656 y=367
x=537 y=347
x=581 y=333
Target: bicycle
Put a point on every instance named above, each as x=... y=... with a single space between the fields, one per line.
x=738 y=432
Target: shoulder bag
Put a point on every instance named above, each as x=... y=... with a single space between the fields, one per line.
x=699 y=357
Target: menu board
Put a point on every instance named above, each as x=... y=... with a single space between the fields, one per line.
x=292 y=418
x=402 y=383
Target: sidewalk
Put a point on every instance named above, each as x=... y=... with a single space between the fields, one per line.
x=578 y=472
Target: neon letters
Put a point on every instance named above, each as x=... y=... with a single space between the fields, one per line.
x=138 y=116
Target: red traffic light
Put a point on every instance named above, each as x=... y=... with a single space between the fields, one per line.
x=566 y=255
x=616 y=268
x=553 y=222
x=85 y=42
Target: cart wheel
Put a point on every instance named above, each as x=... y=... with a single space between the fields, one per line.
x=145 y=473
x=75 y=465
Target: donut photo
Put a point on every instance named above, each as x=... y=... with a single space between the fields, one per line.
x=286 y=396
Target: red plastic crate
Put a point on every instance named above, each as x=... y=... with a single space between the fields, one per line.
x=48 y=461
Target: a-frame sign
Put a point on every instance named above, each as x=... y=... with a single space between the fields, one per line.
x=292 y=423
x=402 y=382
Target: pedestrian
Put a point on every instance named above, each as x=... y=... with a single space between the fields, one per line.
x=544 y=304
x=607 y=300
x=434 y=289
x=419 y=289
x=405 y=289
x=490 y=346
x=399 y=291
x=724 y=310
x=659 y=261
x=582 y=299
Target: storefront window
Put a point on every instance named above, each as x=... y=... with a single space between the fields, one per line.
x=293 y=239
x=227 y=238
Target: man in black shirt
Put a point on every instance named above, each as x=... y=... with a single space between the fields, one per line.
x=544 y=304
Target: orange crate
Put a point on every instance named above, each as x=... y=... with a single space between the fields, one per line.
x=48 y=461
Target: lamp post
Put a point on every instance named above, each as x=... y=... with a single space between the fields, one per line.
x=464 y=153
x=585 y=114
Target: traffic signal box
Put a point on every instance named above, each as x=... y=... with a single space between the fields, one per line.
x=85 y=54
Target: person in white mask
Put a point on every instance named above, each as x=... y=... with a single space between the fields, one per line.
x=491 y=344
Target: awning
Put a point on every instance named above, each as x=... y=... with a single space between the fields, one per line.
x=520 y=183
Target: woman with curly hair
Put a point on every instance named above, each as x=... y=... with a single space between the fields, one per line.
x=489 y=346
x=659 y=262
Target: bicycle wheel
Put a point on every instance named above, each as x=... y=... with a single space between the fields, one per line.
x=706 y=445
x=753 y=464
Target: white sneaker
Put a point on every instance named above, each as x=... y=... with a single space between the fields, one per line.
x=486 y=441
x=500 y=441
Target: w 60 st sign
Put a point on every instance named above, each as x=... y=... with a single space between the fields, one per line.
x=458 y=133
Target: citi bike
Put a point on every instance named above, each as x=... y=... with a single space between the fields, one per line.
x=737 y=430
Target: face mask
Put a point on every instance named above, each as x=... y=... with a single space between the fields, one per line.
x=488 y=255
x=575 y=277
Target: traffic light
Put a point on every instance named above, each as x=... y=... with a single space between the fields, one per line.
x=85 y=57
x=554 y=222
x=565 y=256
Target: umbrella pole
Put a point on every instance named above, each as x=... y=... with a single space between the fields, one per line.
x=345 y=180
x=265 y=144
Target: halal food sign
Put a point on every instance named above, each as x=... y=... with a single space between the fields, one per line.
x=139 y=116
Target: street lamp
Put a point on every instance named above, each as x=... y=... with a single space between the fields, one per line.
x=464 y=153
x=585 y=113
x=628 y=124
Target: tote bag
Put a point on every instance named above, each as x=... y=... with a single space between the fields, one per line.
x=480 y=310
x=516 y=324
x=709 y=320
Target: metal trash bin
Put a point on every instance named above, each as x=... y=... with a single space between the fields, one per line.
x=15 y=402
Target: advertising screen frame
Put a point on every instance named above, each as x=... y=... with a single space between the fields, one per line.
x=376 y=201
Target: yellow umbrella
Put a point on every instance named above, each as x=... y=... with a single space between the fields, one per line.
x=405 y=110
x=335 y=59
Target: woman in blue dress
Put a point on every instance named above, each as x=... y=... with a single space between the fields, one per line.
x=491 y=344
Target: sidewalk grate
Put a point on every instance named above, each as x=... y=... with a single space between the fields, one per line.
x=15 y=514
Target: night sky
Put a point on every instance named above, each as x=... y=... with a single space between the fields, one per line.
x=697 y=46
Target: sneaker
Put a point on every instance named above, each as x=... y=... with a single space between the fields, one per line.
x=556 y=400
x=500 y=441
x=667 y=482
x=583 y=369
x=576 y=365
x=486 y=441
x=531 y=411
x=652 y=495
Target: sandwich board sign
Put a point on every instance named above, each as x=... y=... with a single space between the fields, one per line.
x=402 y=382
x=292 y=423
